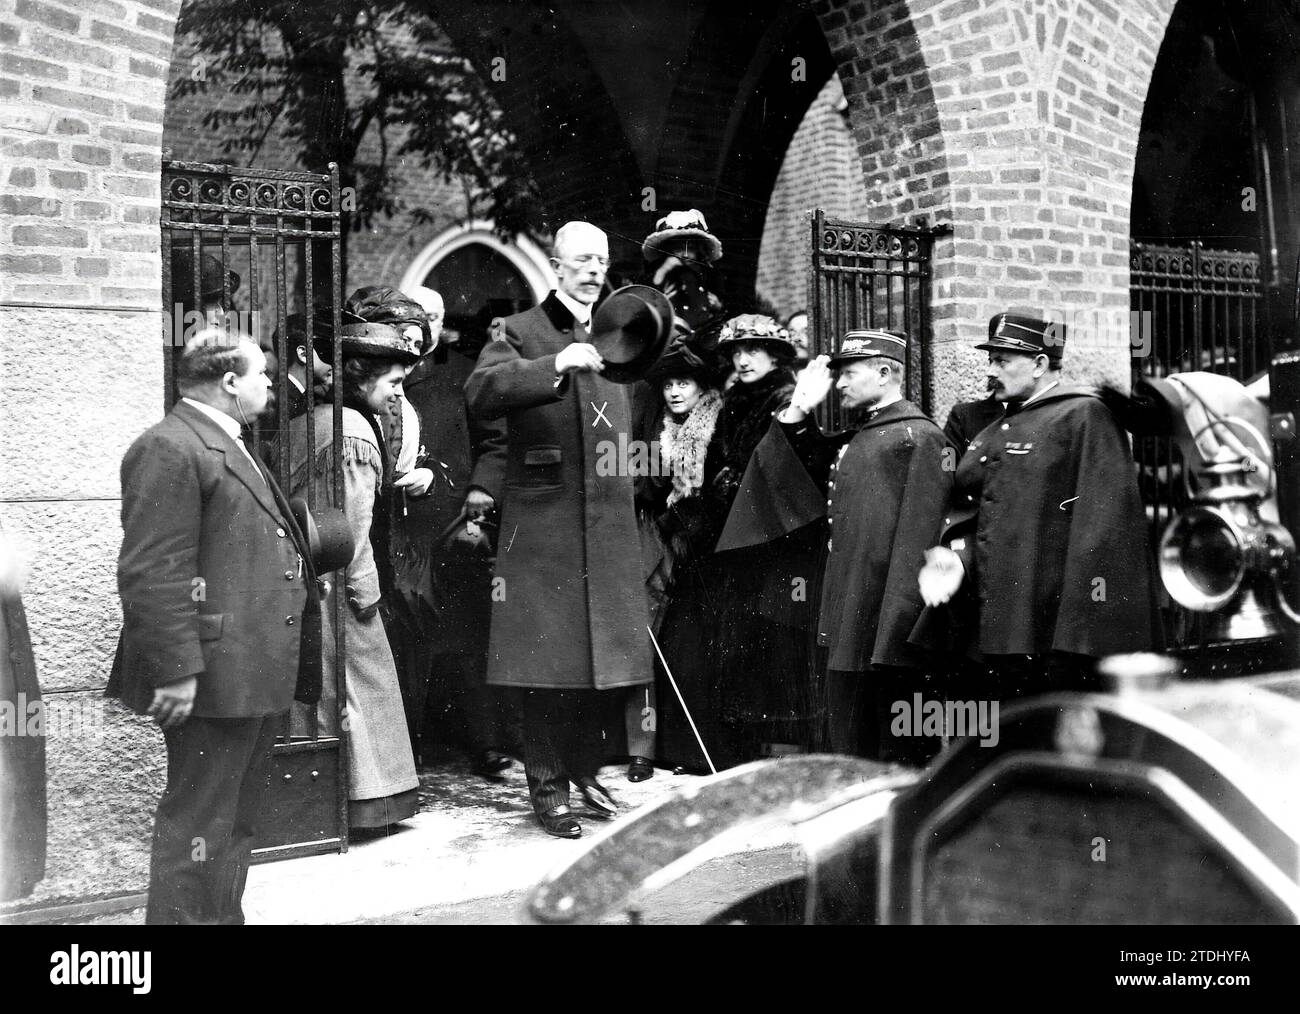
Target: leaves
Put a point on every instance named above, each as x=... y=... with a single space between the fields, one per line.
x=342 y=80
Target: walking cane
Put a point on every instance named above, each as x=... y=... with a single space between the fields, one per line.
x=681 y=700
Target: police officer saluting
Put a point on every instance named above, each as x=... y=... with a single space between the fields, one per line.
x=886 y=488
x=1042 y=565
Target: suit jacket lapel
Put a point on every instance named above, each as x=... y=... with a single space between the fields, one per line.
x=236 y=461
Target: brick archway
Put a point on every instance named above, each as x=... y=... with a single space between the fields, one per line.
x=1015 y=122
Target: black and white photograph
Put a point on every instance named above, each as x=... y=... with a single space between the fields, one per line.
x=651 y=462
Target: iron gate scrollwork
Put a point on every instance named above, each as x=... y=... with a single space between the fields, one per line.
x=865 y=275
x=236 y=242
x=1192 y=308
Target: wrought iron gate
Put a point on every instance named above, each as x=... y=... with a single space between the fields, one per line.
x=278 y=234
x=872 y=276
x=1192 y=309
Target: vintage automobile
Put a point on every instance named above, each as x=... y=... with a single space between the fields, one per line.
x=1171 y=798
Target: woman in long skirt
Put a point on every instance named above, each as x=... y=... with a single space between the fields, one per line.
x=383 y=786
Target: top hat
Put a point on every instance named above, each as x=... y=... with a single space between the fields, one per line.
x=871 y=343
x=328 y=535
x=210 y=274
x=684 y=234
x=382 y=304
x=1010 y=332
x=630 y=330
x=755 y=328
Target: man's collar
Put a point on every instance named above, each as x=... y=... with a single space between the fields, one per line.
x=885 y=402
x=228 y=423
x=581 y=311
x=1040 y=392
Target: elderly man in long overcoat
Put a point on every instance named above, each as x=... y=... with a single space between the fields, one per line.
x=569 y=608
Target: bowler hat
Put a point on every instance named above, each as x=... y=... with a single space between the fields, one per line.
x=210 y=275
x=328 y=535
x=630 y=330
x=871 y=343
x=1011 y=332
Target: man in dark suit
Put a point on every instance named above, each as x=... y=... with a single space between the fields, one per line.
x=213 y=599
x=571 y=616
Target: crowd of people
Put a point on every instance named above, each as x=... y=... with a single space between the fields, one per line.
x=765 y=587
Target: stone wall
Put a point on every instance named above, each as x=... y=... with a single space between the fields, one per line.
x=81 y=375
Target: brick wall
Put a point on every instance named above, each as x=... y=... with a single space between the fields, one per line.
x=820 y=170
x=377 y=254
x=1015 y=123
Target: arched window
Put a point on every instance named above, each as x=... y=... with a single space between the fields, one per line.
x=480 y=277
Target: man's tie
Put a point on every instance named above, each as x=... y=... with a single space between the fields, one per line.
x=239 y=439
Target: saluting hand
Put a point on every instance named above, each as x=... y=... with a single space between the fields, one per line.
x=173 y=702
x=941 y=575
x=810 y=390
x=579 y=356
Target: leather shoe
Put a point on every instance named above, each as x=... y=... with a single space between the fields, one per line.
x=559 y=821
x=640 y=769
x=489 y=763
x=598 y=799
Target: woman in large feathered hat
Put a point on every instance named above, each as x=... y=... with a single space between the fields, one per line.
x=383 y=787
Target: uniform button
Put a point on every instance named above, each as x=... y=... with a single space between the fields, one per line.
x=983 y=458
x=1006 y=426
x=280 y=532
x=288 y=575
x=947 y=521
x=289 y=621
x=828 y=544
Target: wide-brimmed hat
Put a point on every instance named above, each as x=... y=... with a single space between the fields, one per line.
x=683 y=361
x=871 y=343
x=683 y=234
x=1011 y=332
x=377 y=341
x=752 y=328
x=210 y=275
x=383 y=304
x=630 y=330
x=328 y=535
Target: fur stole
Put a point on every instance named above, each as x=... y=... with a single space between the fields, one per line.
x=683 y=445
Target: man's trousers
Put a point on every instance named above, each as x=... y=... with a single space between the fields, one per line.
x=218 y=772
x=563 y=743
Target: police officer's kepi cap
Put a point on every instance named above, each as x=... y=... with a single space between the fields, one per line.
x=1013 y=333
x=869 y=343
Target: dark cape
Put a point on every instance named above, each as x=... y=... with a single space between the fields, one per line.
x=742 y=652
x=887 y=491
x=1046 y=516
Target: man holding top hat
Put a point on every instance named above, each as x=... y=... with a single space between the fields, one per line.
x=885 y=489
x=569 y=612
x=1042 y=564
